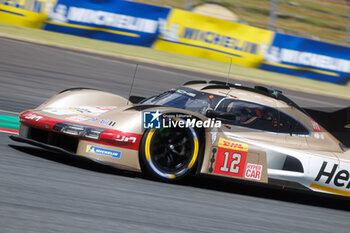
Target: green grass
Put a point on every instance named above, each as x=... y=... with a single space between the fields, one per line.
x=148 y=55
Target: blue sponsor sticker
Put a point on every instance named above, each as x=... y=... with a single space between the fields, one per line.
x=102 y=151
x=152 y=119
x=103 y=121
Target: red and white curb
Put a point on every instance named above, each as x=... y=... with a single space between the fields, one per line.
x=10 y=131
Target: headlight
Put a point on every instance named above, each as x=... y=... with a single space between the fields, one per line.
x=78 y=130
x=92 y=133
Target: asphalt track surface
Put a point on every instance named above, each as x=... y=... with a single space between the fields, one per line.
x=41 y=191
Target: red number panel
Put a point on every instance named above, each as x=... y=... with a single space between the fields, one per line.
x=230 y=162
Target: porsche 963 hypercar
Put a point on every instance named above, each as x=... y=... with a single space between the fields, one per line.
x=214 y=128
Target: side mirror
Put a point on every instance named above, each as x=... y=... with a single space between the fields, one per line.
x=291 y=129
x=136 y=99
x=220 y=115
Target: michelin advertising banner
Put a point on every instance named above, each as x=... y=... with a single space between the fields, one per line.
x=308 y=58
x=206 y=37
x=111 y=20
x=26 y=13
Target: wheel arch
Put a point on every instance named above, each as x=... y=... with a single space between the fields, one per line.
x=83 y=97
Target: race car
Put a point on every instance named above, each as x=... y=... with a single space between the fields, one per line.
x=213 y=128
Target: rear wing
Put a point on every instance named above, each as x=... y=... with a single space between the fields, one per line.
x=335 y=122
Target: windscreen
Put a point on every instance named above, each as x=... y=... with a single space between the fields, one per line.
x=185 y=98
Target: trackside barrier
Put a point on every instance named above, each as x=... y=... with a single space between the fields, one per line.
x=26 y=13
x=206 y=37
x=308 y=58
x=114 y=20
x=183 y=32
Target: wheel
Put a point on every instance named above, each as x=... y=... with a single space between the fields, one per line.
x=169 y=154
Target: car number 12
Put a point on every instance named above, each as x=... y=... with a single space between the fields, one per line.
x=234 y=168
x=230 y=162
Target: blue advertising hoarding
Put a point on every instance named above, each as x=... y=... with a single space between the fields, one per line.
x=111 y=20
x=308 y=58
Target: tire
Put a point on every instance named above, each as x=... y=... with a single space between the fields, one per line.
x=169 y=154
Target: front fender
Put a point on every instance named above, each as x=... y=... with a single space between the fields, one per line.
x=83 y=97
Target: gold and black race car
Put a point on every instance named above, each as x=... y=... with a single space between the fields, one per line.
x=214 y=128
